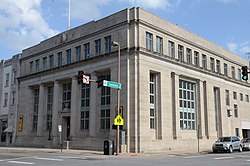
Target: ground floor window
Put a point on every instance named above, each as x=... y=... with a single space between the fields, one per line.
x=187 y=105
x=3 y=134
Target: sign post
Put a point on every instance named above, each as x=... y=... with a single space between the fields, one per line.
x=60 y=134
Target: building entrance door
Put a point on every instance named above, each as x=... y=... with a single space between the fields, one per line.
x=66 y=128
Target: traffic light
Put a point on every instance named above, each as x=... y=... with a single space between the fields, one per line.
x=244 y=73
x=100 y=81
x=80 y=76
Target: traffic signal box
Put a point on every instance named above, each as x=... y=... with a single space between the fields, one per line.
x=80 y=76
x=100 y=81
x=244 y=73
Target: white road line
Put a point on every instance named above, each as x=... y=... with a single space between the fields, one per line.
x=221 y=158
x=19 y=158
x=247 y=160
x=19 y=162
x=51 y=159
x=69 y=157
x=190 y=157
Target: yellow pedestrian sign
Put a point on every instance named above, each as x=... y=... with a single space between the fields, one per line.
x=119 y=121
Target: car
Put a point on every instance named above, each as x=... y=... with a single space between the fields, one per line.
x=227 y=144
x=245 y=143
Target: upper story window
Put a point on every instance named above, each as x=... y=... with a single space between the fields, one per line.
x=85 y=102
x=78 y=53
x=87 y=50
x=149 y=41
x=218 y=66
x=66 y=95
x=204 y=61
x=225 y=69
x=227 y=98
x=51 y=61
x=68 y=52
x=44 y=63
x=196 y=59
x=107 y=44
x=98 y=47
x=13 y=97
x=212 y=65
x=7 y=79
x=236 y=110
x=247 y=98
x=181 y=53
x=241 y=97
x=235 y=95
x=159 y=44
x=59 y=58
x=233 y=72
x=5 y=104
x=14 y=76
x=37 y=65
x=239 y=74
x=152 y=98
x=189 y=56
x=31 y=66
x=171 y=49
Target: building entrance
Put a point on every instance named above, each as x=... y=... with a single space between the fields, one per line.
x=66 y=128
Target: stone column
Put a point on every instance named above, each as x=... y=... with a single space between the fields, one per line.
x=55 y=113
x=200 y=113
x=40 y=111
x=92 y=111
x=175 y=110
x=74 y=107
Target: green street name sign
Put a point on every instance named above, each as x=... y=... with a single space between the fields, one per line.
x=112 y=84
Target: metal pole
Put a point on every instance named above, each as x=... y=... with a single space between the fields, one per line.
x=69 y=17
x=118 y=102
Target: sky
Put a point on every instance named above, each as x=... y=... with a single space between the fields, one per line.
x=24 y=23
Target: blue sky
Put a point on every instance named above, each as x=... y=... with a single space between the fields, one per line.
x=25 y=23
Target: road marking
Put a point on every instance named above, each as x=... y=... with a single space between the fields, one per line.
x=69 y=157
x=190 y=157
x=49 y=159
x=222 y=158
x=19 y=162
x=247 y=160
x=19 y=158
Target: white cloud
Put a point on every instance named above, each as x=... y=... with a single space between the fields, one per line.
x=22 y=24
x=227 y=1
x=232 y=47
x=155 y=4
x=87 y=10
x=239 y=48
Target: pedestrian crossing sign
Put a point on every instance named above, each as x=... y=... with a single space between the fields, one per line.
x=119 y=121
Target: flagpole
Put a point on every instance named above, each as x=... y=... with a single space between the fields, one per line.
x=69 y=17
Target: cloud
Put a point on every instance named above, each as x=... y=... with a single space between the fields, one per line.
x=22 y=24
x=227 y=1
x=155 y=4
x=88 y=10
x=239 y=48
x=232 y=47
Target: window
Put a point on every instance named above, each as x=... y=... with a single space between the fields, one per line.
x=187 y=100
x=235 y=110
x=180 y=53
x=3 y=125
x=204 y=61
x=212 y=67
x=59 y=58
x=44 y=63
x=51 y=61
x=149 y=41
x=68 y=52
x=35 y=109
x=225 y=70
x=108 y=44
x=87 y=50
x=37 y=65
x=159 y=44
x=237 y=132
x=233 y=72
x=49 y=108
x=78 y=53
x=7 y=79
x=31 y=67
x=5 y=104
x=218 y=66
x=235 y=95
x=85 y=98
x=14 y=76
x=98 y=47
x=189 y=56
x=247 y=98
x=241 y=97
x=239 y=74
x=13 y=101
x=66 y=95
x=152 y=100
x=196 y=59
x=105 y=105
x=171 y=49
x=227 y=98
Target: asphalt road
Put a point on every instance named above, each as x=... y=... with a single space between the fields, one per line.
x=22 y=158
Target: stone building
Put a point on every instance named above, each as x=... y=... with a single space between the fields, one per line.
x=177 y=87
x=9 y=70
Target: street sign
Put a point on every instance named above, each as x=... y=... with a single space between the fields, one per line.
x=112 y=84
x=60 y=128
x=119 y=121
x=85 y=79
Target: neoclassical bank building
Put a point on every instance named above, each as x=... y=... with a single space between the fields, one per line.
x=179 y=91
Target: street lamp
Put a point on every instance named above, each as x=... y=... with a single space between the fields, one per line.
x=114 y=43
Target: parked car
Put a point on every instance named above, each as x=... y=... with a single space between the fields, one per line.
x=245 y=143
x=227 y=144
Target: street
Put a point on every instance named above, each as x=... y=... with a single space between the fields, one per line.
x=12 y=158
